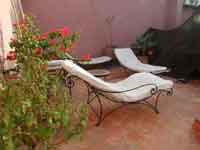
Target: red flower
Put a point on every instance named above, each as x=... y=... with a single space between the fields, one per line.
x=11 y=56
x=65 y=50
x=196 y=129
x=38 y=51
x=62 y=48
x=65 y=32
x=87 y=57
x=54 y=30
x=52 y=42
x=41 y=37
x=44 y=36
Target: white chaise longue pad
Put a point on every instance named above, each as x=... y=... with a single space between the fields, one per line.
x=132 y=81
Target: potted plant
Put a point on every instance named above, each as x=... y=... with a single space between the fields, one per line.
x=145 y=44
x=36 y=105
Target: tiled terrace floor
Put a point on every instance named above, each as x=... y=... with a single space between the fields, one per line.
x=139 y=128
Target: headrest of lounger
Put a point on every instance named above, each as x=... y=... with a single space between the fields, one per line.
x=125 y=55
x=76 y=70
x=68 y=65
x=124 y=52
x=55 y=63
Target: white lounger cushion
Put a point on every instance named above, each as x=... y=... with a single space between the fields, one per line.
x=139 y=79
x=131 y=82
x=127 y=58
x=54 y=64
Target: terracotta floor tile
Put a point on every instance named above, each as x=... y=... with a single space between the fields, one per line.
x=137 y=127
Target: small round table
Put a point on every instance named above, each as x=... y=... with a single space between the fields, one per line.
x=100 y=72
x=95 y=62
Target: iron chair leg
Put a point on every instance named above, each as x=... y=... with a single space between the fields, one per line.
x=153 y=106
x=101 y=116
x=97 y=96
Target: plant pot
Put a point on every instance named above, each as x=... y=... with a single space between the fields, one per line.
x=150 y=52
x=137 y=51
x=196 y=129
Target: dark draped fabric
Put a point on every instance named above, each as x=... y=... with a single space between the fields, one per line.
x=179 y=48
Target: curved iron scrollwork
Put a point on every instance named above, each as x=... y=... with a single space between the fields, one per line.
x=154 y=90
x=170 y=92
x=70 y=83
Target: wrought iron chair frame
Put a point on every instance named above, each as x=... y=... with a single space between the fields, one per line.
x=98 y=93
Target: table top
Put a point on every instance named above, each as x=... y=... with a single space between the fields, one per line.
x=97 y=60
x=100 y=72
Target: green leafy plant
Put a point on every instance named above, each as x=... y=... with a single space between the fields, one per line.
x=35 y=106
x=145 y=42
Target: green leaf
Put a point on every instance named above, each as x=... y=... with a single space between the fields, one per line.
x=65 y=119
x=44 y=132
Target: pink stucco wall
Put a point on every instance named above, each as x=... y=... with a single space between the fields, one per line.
x=174 y=13
x=132 y=17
